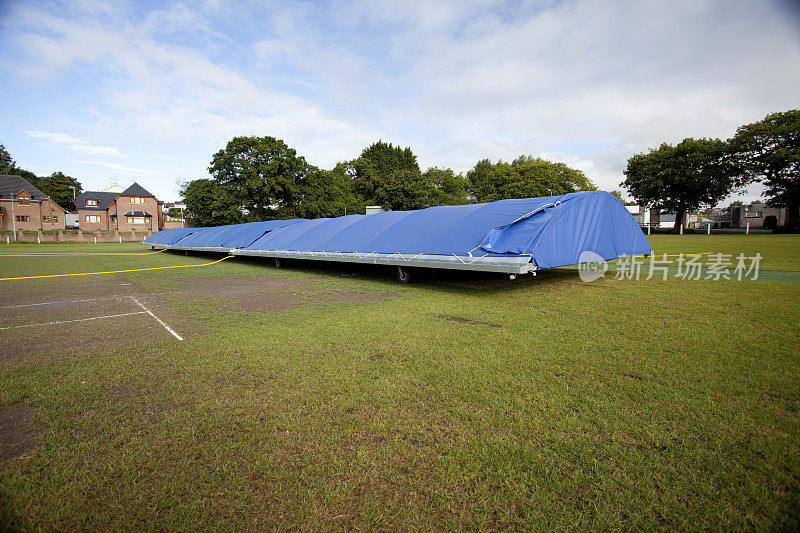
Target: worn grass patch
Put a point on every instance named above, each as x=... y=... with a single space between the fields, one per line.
x=610 y=405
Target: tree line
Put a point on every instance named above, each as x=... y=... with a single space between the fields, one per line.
x=57 y=186
x=261 y=178
x=698 y=173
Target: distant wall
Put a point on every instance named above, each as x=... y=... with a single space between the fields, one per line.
x=75 y=236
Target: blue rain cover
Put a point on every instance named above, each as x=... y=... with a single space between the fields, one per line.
x=170 y=236
x=230 y=236
x=552 y=230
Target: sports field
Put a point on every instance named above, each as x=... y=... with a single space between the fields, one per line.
x=326 y=397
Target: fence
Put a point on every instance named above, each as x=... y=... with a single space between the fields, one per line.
x=74 y=236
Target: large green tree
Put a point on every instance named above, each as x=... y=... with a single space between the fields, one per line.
x=388 y=159
x=58 y=187
x=769 y=152
x=386 y=175
x=692 y=174
x=403 y=190
x=446 y=187
x=210 y=204
x=328 y=193
x=263 y=173
x=6 y=161
x=525 y=177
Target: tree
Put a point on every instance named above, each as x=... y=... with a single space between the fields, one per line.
x=447 y=187
x=769 y=152
x=380 y=173
x=388 y=159
x=210 y=204
x=328 y=193
x=680 y=178
x=618 y=195
x=403 y=190
x=262 y=172
x=525 y=177
x=6 y=161
x=57 y=187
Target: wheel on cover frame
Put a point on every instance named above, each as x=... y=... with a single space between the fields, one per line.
x=403 y=275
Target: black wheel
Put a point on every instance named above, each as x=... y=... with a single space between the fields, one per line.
x=403 y=275
x=277 y=262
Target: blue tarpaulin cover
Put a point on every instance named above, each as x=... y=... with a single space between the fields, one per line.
x=553 y=231
x=170 y=236
x=231 y=236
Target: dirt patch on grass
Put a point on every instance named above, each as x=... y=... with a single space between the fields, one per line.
x=92 y=315
x=462 y=320
x=247 y=293
x=70 y=323
x=19 y=431
x=24 y=293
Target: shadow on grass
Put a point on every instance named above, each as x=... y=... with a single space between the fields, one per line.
x=434 y=278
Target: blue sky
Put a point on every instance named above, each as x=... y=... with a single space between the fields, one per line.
x=149 y=91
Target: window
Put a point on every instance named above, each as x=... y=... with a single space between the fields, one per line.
x=137 y=200
x=23 y=218
x=92 y=218
x=91 y=203
x=47 y=219
x=24 y=200
x=753 y=214
x=137 y=220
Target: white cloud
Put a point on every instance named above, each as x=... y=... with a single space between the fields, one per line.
x=586 y=82
x=75 y=144
x=115 y=166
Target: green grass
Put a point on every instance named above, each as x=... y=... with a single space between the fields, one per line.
x=610 y=405
x=779 y=252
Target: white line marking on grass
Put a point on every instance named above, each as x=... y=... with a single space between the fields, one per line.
x=157 y=319
x=56 y=302
x=75 y=320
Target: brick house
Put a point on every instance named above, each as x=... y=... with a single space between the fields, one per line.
x=133 y=209
x=24 y=207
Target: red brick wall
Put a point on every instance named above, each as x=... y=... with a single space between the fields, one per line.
x=124 y=205
x=34 y=211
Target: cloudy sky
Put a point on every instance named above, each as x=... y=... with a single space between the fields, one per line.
x=148 y=91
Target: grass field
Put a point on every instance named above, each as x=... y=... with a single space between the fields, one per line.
x=324 y=397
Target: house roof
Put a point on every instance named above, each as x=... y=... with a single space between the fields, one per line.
x=11 y=185
x=135 y=190
x=104 y=199
x=137 y=214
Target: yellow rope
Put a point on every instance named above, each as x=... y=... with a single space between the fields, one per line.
x=57 y=254
x=118 y=271
x=678 y=255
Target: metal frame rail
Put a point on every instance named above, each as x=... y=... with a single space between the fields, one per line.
x=521 y=264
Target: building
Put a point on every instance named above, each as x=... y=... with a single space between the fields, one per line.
x=113 y=187
x=757 y=216
x=24 y=207
x=644 y=216
x=133 y=209
x=173 y=215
